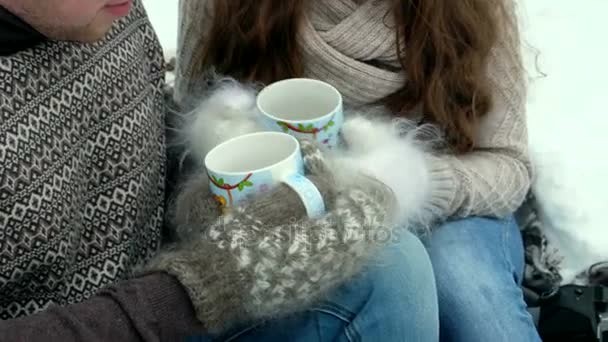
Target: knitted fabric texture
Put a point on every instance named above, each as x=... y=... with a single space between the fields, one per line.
x=266 y=260
x=349 y=44
x=82 y=164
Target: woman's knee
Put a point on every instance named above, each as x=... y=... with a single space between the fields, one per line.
x=396 y=291
x=402 y=277
x=404 y=262
x=475 y=247
x=470 y=251
x=474 y=272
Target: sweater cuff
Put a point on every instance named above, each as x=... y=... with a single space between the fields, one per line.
x=443 y=188
x=170 y=305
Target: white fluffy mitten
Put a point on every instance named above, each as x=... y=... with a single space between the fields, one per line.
x=390 y=151
x=227 y=112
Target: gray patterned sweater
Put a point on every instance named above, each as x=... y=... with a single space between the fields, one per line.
x=82 y=165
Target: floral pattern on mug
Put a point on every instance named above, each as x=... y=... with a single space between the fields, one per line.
x=229 y=188
x=306 y=129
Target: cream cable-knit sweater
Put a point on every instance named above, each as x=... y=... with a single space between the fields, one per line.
x=346 y=43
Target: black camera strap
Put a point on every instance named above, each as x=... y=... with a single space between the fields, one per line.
x=601 y=295
x=601 y=302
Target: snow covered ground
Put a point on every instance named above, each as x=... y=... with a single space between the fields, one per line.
x=568 y=120
x=567 y=117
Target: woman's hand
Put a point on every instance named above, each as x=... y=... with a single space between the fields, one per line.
x=396 y=153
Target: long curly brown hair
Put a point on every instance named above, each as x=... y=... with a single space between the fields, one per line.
x=445 y=47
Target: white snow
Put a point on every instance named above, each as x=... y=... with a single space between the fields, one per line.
x=163 y=14
x=568 y=120
x=566 y=114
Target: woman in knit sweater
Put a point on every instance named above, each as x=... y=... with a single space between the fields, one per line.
x=454 y=64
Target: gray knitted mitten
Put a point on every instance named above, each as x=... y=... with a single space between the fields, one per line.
x=266 y=259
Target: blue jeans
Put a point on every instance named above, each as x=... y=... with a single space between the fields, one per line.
x=478 y=266
x=394 y=300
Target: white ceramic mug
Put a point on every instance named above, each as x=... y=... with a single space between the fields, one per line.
x=256 y=162
x=304 y=108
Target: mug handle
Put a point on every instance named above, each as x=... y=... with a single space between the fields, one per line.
x=309 y=194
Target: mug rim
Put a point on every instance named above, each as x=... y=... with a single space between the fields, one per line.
x=265 y=168
x=300 y=79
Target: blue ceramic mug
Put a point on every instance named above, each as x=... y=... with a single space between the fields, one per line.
x=304 y=108
x=253 y=163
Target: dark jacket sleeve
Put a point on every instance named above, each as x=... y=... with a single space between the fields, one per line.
x=151 y=308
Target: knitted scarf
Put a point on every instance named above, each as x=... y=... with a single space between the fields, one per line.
x=353 y=45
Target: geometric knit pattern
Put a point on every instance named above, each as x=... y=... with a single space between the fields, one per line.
x=82 y=165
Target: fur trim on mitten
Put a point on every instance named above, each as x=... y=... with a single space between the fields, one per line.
x=228 y=111
x=395 y=152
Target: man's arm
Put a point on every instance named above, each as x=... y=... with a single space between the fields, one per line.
x=151 y=308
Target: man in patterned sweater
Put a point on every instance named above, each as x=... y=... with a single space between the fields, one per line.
x=82 y=156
